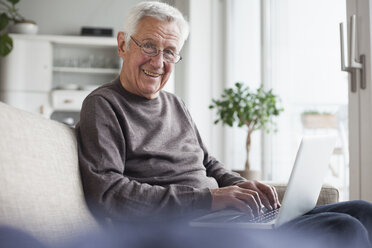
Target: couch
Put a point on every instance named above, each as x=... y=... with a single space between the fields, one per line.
x=40 y=186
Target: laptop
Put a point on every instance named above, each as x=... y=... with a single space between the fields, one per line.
x=302 y=192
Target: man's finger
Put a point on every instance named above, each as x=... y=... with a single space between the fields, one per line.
x=250 y=200
x=269 y=193
x=258 y=196
x=265 y=201
x=276 y=203
x=243 y=207
x=276 y=196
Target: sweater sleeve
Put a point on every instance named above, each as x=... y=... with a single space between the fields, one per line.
x=102 y=156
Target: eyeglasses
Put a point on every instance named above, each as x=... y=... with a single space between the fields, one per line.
x=152 y=51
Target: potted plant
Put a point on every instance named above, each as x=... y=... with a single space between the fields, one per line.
x=11 y=20
x=254 y=110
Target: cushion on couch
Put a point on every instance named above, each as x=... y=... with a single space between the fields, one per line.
x=328 y=194
x=40 y=186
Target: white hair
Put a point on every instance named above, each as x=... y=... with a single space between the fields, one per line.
x=161 y=11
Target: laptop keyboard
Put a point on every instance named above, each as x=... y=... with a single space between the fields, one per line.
x=263 y=218
x=266 y=217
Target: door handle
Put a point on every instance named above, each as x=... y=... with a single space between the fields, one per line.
x=354 y=65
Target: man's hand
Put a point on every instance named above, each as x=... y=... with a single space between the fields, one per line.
x=267 y=193
x=247 y=197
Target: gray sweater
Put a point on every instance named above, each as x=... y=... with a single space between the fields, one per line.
x=139 y=157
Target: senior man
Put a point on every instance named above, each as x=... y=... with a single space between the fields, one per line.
x=140 y=153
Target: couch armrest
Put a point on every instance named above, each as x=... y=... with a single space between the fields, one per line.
x=328 y=194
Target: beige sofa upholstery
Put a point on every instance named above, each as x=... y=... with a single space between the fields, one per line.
x=328 y=194
x=40 y=186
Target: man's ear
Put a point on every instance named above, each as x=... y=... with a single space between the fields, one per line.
x=121 y=44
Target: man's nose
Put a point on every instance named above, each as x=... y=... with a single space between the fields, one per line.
x=158 y=60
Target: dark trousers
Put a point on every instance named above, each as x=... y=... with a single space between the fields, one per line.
x=344 y=224
x=340 y=225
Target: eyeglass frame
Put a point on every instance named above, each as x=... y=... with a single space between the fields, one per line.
x=157 y=51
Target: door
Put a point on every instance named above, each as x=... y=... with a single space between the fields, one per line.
x=360 y=102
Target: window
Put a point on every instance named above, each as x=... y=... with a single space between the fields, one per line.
x=291 y=46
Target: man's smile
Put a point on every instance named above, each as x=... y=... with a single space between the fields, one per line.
x=152 y=74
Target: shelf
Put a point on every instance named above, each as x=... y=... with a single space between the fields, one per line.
x=78 y=63
x=87 y=70
x=71 y=40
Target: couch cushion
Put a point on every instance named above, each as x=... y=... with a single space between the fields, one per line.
x=40 y=185
x=328 y=194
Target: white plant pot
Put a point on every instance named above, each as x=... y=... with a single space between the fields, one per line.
x=24 y=28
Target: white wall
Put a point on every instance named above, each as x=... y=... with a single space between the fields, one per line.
x=68 y=16
x=201 y=74
x=196 y=88
x=244 y=65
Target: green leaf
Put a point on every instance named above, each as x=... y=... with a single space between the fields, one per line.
x=6 y=45
x=239 y=105
x=14 y=2
x=4 y=21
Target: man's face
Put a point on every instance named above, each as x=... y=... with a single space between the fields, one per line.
x=143 y=75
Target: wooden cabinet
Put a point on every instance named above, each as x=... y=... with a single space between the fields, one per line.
x=51 y=75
